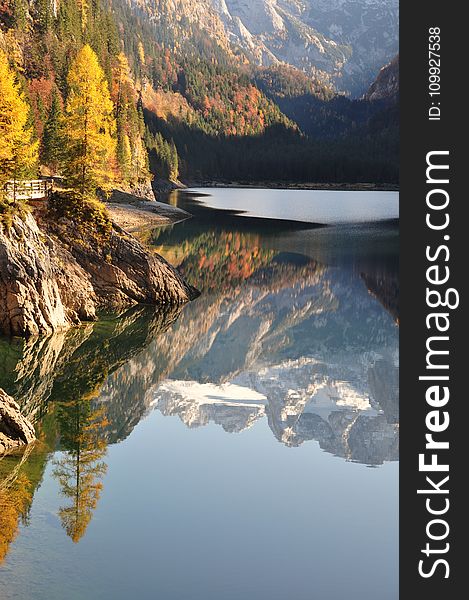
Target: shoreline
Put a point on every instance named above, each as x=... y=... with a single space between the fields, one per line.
x=346 y=187
x=139 y=214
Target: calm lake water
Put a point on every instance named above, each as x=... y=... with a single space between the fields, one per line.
x=245 y=447
x=319 y=206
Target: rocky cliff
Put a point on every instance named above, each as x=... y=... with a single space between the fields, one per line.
x=52 y=276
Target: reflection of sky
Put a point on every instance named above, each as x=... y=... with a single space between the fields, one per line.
x=315 y=206
x=201 y=515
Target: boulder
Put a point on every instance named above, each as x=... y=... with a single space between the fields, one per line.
x=15 y=430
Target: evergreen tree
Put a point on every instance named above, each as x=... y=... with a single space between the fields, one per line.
x=18 y=150
x=89 y=131
x=52 y=139
x=44 y=16
x=124 y=153
x=20 y=14
x=173 y=162
x=131 y=153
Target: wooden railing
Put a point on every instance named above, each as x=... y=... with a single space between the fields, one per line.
x=32 y=189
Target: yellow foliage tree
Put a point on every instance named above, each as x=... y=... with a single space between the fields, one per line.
x=15 y=497
x=18 y=150
x=89 y=126
x=81 y=468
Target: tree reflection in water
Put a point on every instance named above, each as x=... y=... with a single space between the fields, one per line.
x=59 y=382
x=81 y=468
x=276 y=334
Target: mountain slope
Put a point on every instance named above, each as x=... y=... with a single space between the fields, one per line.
x=386 y=85
x=211 y=112
x=348 y=40
x=344 y=41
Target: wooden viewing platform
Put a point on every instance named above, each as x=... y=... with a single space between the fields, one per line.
x=31 y=189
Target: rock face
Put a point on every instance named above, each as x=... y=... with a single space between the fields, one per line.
x=15 y=430
x=46 y=285
x=344 y=40
x=347 y=39
x=142 y=191
x=131 y=275
x=386 y=85
x=42 y=287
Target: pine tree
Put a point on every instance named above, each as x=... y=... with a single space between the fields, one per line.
x=20 y=14
x=18 y=150
x=124 y=154
x=131 y=153
x=52 y=139
x=173 y=162
x=122 y=85
x=89 y=130
x=44 y=16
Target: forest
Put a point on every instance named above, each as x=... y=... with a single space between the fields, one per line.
x=97 y=93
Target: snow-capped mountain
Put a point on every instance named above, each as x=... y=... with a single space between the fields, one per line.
x=318 y=361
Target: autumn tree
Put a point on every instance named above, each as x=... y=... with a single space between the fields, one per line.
x=52 y=137
x=89 y=132
x=18 y=150
x=15 y=497
x=81 y=468
x=16 y=492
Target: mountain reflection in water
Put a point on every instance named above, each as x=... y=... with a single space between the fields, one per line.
x=276 y=334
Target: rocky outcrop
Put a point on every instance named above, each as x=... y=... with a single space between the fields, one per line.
x=143 y=191
x=131 y=275
x=48 y=283
x=15 y=430
x=386 y=85
x=42 y=287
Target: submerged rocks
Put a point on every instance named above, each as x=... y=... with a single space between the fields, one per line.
x=50 y=281
x=15 y=430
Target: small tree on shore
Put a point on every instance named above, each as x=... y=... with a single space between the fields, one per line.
x=89 y=131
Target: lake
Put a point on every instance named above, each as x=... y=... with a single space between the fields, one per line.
x=244 y=447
